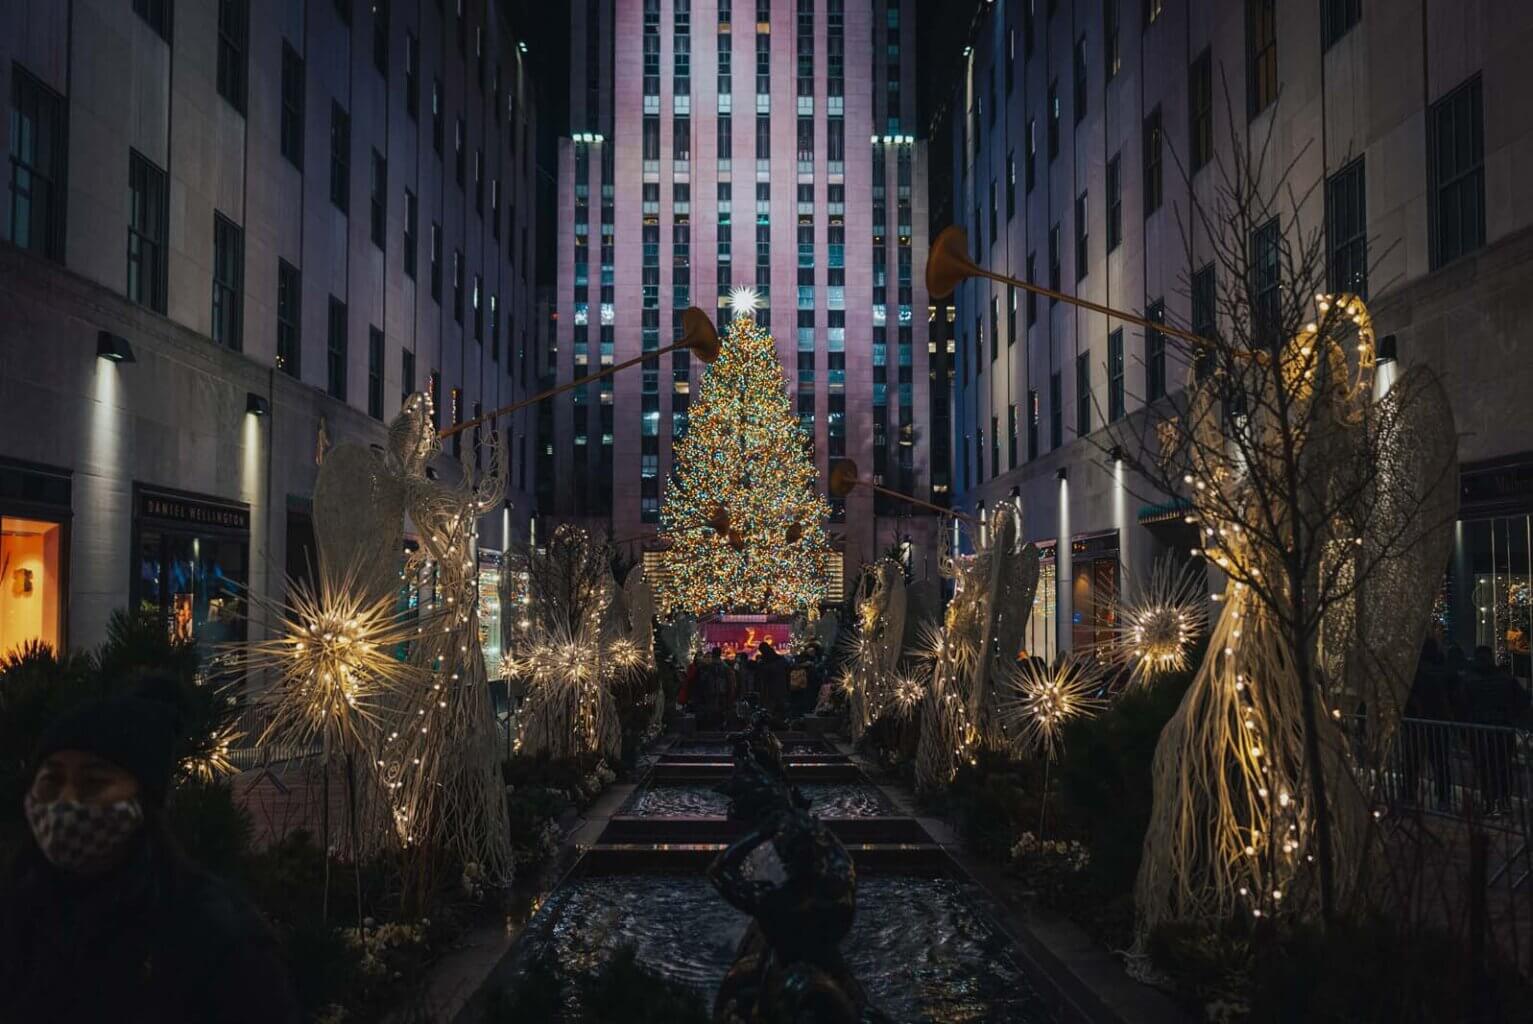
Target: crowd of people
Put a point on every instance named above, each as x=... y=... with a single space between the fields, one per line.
x=787 y=686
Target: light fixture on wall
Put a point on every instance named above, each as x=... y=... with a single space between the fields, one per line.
x=1387 y=350
x=256 y=405
x=1117 y=453
x=1063 y=474
x=114 y=347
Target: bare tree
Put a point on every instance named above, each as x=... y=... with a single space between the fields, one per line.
x=1328 y=512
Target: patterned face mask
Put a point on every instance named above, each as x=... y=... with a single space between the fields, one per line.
x=83 y=838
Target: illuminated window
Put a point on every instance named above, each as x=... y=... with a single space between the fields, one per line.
x=30 y=583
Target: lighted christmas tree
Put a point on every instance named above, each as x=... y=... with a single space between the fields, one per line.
x=745 y=523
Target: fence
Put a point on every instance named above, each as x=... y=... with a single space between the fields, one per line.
x=1477 y=773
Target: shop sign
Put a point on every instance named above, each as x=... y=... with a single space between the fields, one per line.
x=178 y=508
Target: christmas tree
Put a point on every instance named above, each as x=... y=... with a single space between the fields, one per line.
x=745 y=524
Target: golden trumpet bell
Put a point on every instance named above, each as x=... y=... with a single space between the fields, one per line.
x=948 y=264
x=843 y=477
x=699 y=334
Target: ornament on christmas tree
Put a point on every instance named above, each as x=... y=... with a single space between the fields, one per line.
x=746 y=471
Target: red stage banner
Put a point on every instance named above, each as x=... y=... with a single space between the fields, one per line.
x=732 y=635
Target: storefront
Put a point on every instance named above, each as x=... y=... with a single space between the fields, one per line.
x=491 y=627
x=1039 y=636
x=1093 y=588
x=192 y=555
x=34 y=555
x=1488 y=599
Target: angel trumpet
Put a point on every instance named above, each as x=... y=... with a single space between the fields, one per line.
x=844 y=478
x=698 y=334
x=948 y=266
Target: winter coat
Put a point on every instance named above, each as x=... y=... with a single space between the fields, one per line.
x=154 y=940
x=772 y=679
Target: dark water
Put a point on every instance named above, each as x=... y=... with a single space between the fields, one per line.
x=827 y=799
x=703 y=748
x=916 y=944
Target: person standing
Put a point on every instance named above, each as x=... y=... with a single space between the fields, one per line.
x=102 y=917
x=772 y=680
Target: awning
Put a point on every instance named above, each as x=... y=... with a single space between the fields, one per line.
x=1176 y=509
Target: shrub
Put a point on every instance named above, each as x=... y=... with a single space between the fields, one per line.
x=212 y=829
x=1105 y=786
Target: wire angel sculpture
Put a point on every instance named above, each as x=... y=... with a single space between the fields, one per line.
x=876 y=646
x=585 y=637
x=1007 y=601
x=1235 y=769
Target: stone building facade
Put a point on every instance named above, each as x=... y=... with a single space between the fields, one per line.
x=291 y=215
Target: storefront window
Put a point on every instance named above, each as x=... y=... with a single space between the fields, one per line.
x=490 y=639
x=1495 y=610
x=31 y=583
x=1093 y=589
x=193 y=563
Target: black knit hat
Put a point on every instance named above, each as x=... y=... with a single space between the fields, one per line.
x=135 y=731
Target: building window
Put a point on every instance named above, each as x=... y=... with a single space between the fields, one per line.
x=289 y=302
x=1266 y=300
x=340 y=158
x=1261 y=55
x=1082 y=222
x=1114 y=202
x=1083 y=394
x=1011 y=436
x=1080 y=79
x=412 y=75
x=1031 y=175
x=1152 y=162
x=476 y=299
x=1011 y=186
x=380 y=203
x=1337 y=18
x=1011 y=315
x=406 y=374
x=460 y=152
x=381 y=36
x=1056 y=411
x=157 y=14
x=436 y=262
x=1053 y=114
x=228 y=281
x=1200 y=94
x=292 y=106
x=1054 y=276
x=411 y=212
x=457 y=285
x=147 y=212
x=1032 y=296
x=375 y=373
x=1115 y=375
x=1034 y=420
x=1204 y=298
x=335 y=350
x=1154 y=353
x=995 y=327
x=436 y=116
x=1112 y=50
x=233 y=30
x=32 y=557
x=38 y=143
x=1457 y=154
x=1346 y=215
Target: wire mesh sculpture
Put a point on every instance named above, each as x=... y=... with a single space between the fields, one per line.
x=1241 y=763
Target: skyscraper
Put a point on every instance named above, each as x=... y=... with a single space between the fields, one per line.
x=724 y=143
